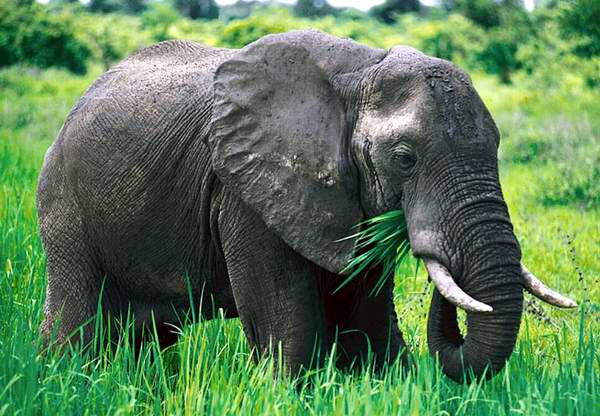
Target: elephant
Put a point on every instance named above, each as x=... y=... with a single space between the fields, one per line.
x=228 y=180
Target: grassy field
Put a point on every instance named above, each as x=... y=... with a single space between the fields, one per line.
x=550 y=171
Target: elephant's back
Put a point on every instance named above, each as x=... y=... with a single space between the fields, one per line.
x=171 y=72
x=179 y=53
x=137 y=105
x=136 y=125
x=134 y=162
x=157 y=84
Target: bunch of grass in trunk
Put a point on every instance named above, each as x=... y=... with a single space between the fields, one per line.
x=381 y=240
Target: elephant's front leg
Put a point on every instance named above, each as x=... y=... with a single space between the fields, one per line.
x=369 y=325
x=274 y=290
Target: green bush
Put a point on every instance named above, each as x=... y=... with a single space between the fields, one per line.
x=239 y=33
x=455 y=38
x=485 y=13
x=561 y=142
x=313 y=8
x=207 y=32
x=502 y=43
x=104 y=6
x=580 y=20
x=32 y=34
x=197 y=9
x=528 y=147
x=573 y=160
x=578 y=185
x=389 y=11
x=34 y=103
x=499 y=56
x=111 y=37
x=158 y=18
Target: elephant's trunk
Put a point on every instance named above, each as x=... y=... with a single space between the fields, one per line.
x=478 y=248
x=491 y=336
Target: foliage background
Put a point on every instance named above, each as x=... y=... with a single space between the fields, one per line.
x=539 y=74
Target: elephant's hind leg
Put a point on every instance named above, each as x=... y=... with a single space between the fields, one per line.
x=74 y=283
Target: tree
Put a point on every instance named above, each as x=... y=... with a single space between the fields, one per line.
x=158 y=18
x=104 y=6
x=133 y=6
x=240 y=32
x=111 y=6
x=239 y=10
x=198 y=9
x=507 y=27
x=580 y=20
x=486 y=13
x=313 y=8
x=30 y=34
x=388 y=11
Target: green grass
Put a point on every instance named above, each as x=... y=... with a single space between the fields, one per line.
x=381 y=240
x=554 y=370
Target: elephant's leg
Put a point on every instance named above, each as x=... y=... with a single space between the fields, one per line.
x=148 y=330
x=275 y=292
x=74 y=284
x=370 y=324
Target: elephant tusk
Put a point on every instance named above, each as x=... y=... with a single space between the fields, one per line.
x=534 y=286
x=448 y=288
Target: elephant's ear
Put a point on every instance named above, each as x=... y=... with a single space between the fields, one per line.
x=278 y=139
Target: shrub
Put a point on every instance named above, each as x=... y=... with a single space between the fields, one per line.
x=563 y=148
x=104 y=6
x=579 y=184
x=198 y=9
x=389 y=11
x=500 y=53
x=158 y=18
x=313 y=8
x=34 y=103
x=499 y=56
x=239 y=33
x=111 y=37
x=527 y=147
x=33 y=35
x=580 y=20
x=573 y=159
x=207 y=32
x=485 y=13
x=455 y=38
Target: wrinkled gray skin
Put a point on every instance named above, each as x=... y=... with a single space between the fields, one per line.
x=241 y=168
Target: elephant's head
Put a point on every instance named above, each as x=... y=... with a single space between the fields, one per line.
x=316 y=133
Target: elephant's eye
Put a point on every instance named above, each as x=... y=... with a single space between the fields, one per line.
x=405 y=158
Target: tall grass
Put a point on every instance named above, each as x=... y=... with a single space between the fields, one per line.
x=554 y=370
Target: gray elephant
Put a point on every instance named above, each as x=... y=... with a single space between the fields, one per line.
x=229 y=178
